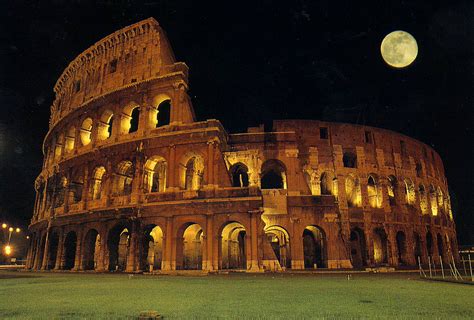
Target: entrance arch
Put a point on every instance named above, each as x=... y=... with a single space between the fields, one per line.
x=91 y=250
x=314 y=247
x=189 y=247
x=53 y=250
x=418 y=250
x=358 y=248
x=439 y=240
x=380 y=246
x=233 y=246
x=118 y=246
x=70 y=250
x=429 y=243
x=280 y=242
x=152 y=248
x=401 y=248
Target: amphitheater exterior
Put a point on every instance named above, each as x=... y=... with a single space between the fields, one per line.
x=132 y=182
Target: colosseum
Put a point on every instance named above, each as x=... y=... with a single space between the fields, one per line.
x=132 y=182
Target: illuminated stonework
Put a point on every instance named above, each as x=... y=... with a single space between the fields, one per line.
x=132 y=182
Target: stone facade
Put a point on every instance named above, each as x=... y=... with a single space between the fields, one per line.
x=132 y=182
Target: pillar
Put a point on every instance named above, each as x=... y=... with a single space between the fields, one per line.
x=207 y=263
x=78 y=254
x=172 y=168
x=254 y=263
x=167 y=263
x=59 y=255
x=44 y=264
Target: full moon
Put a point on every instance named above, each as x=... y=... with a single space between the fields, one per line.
x=399 y=49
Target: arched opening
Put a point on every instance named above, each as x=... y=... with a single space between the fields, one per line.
x=380 y=246
x=75 y=186
x=374 y=192
x=239 y=173
x=123 y=178
x=105 y=125
x=130 y=118
x=439 y=240
x=433 y=201
x=314 y=248
x=392 y=189
x=440 y=200
x=429 y=243
x=97 y=182
x=155 y=174
x=409 y=191
x=53 y=250
x=189 y=247
x=353 y=191
x=70 y=250
x=423 y=201
x=59 y=190
x=349 y=159
x=280 y=242
x=328 y=184
x=91 y=250
x=401 y=248
x=164 y=113
x=70 y=140
x=58 y=147
x=418 y=169
x=358 y=248
x=273 y=175
x=418 y=250
x=152 y=248
x=86 y=131
x=233 y=247
x=191 y=171
x=118 y=246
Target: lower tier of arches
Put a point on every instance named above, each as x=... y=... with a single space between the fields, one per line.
x=241 y=241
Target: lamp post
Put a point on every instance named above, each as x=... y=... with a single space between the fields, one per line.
x=8 y=248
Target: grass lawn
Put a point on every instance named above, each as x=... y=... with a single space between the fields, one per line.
x=26 y=295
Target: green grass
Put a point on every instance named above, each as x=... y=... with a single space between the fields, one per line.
x=112 y=296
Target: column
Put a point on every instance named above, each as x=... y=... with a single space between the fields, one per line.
x=44 y=264
x=133 y=250
x=172 y=185
x=166 y=263
x=254 y=266
x=209 y=171
x=59 y=255
x=78 y=255
x=208 y=262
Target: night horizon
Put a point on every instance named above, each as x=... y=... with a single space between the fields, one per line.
x=250 y=67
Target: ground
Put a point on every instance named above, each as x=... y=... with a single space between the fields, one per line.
x=25 y=295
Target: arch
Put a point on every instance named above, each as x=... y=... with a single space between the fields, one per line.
x=91 y=250
x=189 y=246
x=163 y=113
x=380 y=246
x=392 y=189
x=280 y=242
x=429 y=243
x=86 y=131
x=53 y=250
x=233 y=246
x=97 y=182
x=433 y=201
x=105 y=125
x=273 y=175
x=353 y=191
x=154 y=178
x=58 y=147
x=239 y=174
x=59 y=190
x=70 y=244
x=75 y=186
x=401 y=248
x=314 y=247
x=409 y=191
x=374 y=192
x=328 y=183
x=130 y=118
x=118 y=245
x=152 y=248
x=358 y=248
x=418 y=248
x=349 y=159
x=440 y=197
x=439 y=241
x=423 y=201
x=191 y=171
x=123 y=178
x=70 y=139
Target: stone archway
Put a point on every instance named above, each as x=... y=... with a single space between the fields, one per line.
x=91 y=250
x=233 y=247
x=279 y=240
x=70 y=244
x=189 y=247
x=53 y=250
x=152 y=253
x=358 y=248
x=314 y=248
x=401 y=248
x=380 y=246
x=118 y=245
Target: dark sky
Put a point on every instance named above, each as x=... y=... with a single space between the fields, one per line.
x=254 y=61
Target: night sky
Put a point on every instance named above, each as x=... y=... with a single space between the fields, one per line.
x=251 y=63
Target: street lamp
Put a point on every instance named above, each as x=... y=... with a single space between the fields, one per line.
x=8 y=248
